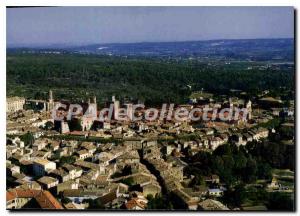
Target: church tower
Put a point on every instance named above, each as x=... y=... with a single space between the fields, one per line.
x=249 y=109
x=230 y=104
x=92 y=108
x=50 y=96
x=50 y=104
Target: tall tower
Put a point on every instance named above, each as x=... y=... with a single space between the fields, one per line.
x=92 y=108
x=50 y=104
x=129 y=111
x=116 y=109
x=230 y=104
x=95 y=104
x=50 y=96
x=249 y=109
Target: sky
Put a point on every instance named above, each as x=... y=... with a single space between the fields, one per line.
x=90 y=25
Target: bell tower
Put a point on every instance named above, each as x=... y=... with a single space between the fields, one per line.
x=50 y=96
x=249 y=109
x=50 y=101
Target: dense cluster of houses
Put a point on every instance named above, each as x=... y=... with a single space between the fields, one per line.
x=137 y=160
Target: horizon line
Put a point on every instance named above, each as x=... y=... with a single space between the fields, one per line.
x=65 y=45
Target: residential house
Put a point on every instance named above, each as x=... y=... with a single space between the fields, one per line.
x=19 y=198
x=42 y=166
x=74 y=172
x=47 y=182
x=83 y=154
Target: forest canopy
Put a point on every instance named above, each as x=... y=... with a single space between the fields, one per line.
x=75 y=77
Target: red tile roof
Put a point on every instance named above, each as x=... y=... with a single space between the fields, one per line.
x=47 y=201
x=135 y=202
x=44 y=198
x=9 y=196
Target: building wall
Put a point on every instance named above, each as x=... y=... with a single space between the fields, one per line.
x=14 y=104
x=40 y=169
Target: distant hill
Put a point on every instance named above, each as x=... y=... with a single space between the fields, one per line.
x=246 y=49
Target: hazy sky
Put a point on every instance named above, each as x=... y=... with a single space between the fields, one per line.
x=84 y=25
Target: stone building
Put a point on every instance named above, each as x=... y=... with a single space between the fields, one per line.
x=42 y=166
x=14 y=104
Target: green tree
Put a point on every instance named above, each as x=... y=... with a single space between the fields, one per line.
x=250 y=170
x=28 y=139
x=197 y=180
x=264 y=171
x=128 y=181
x=67 y=160
x=95 y=203
x=280 y=201
x=158 y=202
x=236 y=196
